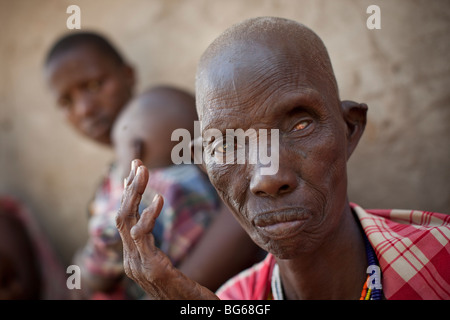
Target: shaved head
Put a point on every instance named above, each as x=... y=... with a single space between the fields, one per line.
x=271 y=39
x=159 y=110
x=172 y=104
x=275 y=74
x=143 y=129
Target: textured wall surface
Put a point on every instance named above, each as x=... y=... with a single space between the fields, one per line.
x=401 y=71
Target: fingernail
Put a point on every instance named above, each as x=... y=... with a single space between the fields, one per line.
x=154 y=198
x=124 y=183
x=133 y=165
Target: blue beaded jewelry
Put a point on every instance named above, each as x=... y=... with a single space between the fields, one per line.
x=372 y=293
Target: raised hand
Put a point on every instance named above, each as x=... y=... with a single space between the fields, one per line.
x=143 y=261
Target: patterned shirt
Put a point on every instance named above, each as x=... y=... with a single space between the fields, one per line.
x=412 y=248
x=190 y=204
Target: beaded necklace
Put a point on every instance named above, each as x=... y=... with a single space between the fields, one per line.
x=371 y=292
x=368 y=292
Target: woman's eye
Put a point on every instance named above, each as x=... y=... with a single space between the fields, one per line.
x=226 y=152
x=65 y=103
x=223 y=148
x=93 y=85
x=301 y=125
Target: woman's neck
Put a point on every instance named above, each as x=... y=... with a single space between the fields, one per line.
x=336 y=270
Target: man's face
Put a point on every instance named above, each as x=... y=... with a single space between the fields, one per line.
x=90 y=89
x=297 y=208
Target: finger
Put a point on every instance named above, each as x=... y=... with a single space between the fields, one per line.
x=128 y=214
x=148 y=218
x=133 y=194
x=141 y=232
x=135 y=164
x=139 y=182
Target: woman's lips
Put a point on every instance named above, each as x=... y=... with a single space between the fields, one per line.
x=281 y=224
x=282 y=229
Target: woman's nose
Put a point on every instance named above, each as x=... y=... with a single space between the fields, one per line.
x=282 y=182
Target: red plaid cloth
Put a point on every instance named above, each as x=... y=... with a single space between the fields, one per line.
x=412 y=248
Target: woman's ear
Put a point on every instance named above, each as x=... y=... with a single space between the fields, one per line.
x=197 y=153
x=355 y=116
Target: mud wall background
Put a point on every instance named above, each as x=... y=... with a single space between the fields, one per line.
x=401 y=71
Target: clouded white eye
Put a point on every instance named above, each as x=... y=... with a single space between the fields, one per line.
x=223 y=148
x=302 y=125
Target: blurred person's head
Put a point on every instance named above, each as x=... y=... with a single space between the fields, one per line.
x=90 y=81
x=144 y=128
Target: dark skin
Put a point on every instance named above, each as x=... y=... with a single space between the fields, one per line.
x=153 y=270
x=300 y=214
x=91 y=89
x=143 y=261
x=143 y=130
x=224 y=249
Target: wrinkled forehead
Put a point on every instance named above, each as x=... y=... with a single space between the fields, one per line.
x=245 y=73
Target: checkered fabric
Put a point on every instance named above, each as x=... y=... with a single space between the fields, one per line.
x=412 y=248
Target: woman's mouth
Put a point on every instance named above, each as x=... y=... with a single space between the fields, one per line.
x=281 y=223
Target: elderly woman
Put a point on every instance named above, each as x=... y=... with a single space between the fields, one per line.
x=272 y=73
